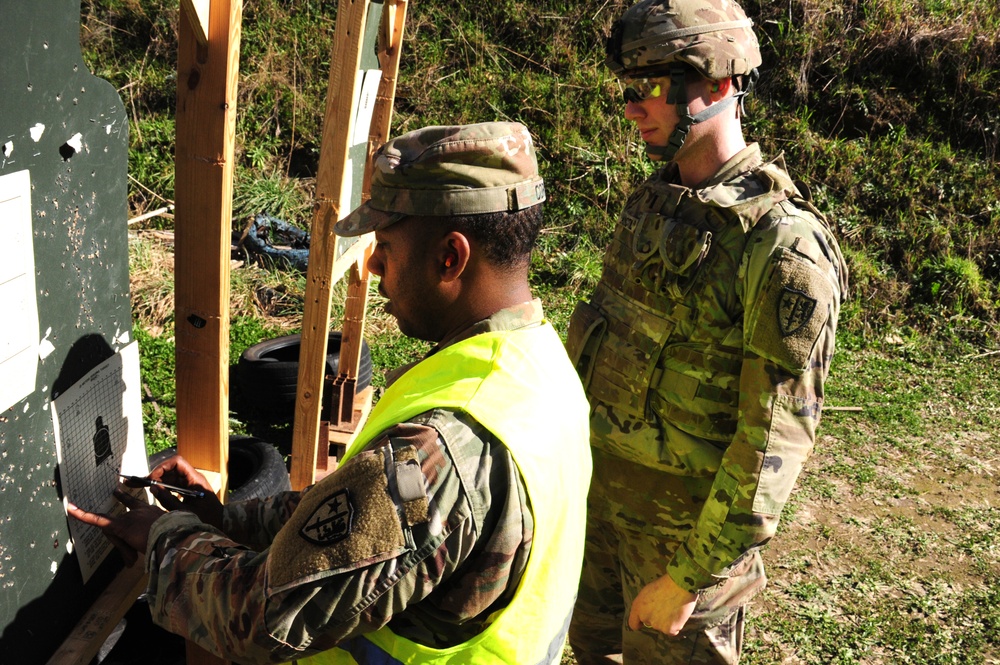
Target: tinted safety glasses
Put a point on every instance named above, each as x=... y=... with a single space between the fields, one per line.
x=640 y=89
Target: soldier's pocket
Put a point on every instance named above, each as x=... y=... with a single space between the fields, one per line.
x=586 y=330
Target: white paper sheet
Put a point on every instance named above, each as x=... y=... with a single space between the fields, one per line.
x=98 y=432
x=369 y=80
x=19 y=328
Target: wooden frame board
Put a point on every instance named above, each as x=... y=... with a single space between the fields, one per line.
x=333 y=202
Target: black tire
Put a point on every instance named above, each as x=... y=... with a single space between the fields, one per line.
x=256 y=468
x=267 y=375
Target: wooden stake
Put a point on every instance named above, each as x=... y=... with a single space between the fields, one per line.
x=207 y=76
x=338 y=127
x=206 y=128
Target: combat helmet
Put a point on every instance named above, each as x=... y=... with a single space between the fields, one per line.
x=665 y=37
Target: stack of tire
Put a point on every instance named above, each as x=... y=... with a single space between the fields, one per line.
x=265 y=382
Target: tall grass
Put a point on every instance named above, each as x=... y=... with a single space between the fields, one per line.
x=889 y=109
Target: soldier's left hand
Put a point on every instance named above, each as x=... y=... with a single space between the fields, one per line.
x=128 y=532
x=663 y=606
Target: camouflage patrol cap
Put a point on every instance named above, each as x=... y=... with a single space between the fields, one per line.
x=714 y=36
x=446 y=171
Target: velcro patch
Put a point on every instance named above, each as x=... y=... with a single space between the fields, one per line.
x=347 y=521
x=790 y=312
x=410 y=485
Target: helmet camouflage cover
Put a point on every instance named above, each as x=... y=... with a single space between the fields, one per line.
x=714 y=36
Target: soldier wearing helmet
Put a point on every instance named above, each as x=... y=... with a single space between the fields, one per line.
x=703 y=349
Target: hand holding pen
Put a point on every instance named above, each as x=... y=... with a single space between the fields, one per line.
x=130 y=531
x=177 y=485
x=139 y=481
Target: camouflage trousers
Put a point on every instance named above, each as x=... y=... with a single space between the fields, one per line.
x=618 y=563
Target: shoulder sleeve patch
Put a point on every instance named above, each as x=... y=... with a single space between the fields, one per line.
x=790 y=312
x=347 y=521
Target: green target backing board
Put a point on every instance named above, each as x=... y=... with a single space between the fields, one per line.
x=64 y=291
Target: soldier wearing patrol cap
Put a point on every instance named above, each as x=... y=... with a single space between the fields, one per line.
x=703 y=350
x=452 y=532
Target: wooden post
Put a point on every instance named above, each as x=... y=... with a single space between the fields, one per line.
x=206 y=128
x=354 y=405
x=338 y=127
x=331 y=199
x=207 y=76
x=393 y=17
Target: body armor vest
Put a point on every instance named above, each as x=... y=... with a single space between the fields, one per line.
x=663 y=332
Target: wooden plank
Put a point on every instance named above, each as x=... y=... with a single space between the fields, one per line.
x=390 y=49
x=358 y=252
x=393 y=17
x=207 y=76
x=307 y=417
x=355 y=309
x=197 y=12
x=338 y=127
x=204 y=158
x=353 y=326
x=93 y=629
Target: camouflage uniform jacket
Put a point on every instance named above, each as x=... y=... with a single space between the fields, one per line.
x=464 y=563
x=713 y=327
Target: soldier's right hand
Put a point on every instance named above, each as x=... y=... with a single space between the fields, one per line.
x=178 y=471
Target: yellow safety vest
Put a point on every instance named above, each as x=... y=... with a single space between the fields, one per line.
x=521 y=386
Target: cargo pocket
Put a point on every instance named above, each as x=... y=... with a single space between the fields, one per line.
x=586 y=330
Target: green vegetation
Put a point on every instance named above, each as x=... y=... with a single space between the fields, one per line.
x=888 y=549
x=888 y=109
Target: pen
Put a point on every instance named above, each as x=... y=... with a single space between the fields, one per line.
x=146 y=482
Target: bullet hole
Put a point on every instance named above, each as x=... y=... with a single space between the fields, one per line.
x=71 y=147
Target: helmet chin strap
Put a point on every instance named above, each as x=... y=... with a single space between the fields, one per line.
x=677 y=95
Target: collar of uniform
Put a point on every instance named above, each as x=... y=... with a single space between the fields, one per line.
x=522 y=315
x=744 y=161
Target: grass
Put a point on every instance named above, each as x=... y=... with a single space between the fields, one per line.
x=887 y=553
x=888 y=109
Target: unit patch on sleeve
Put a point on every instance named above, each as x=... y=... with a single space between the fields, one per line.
x=346 y=521
x=795 y=308
x=790 y=311
x=331 y=521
